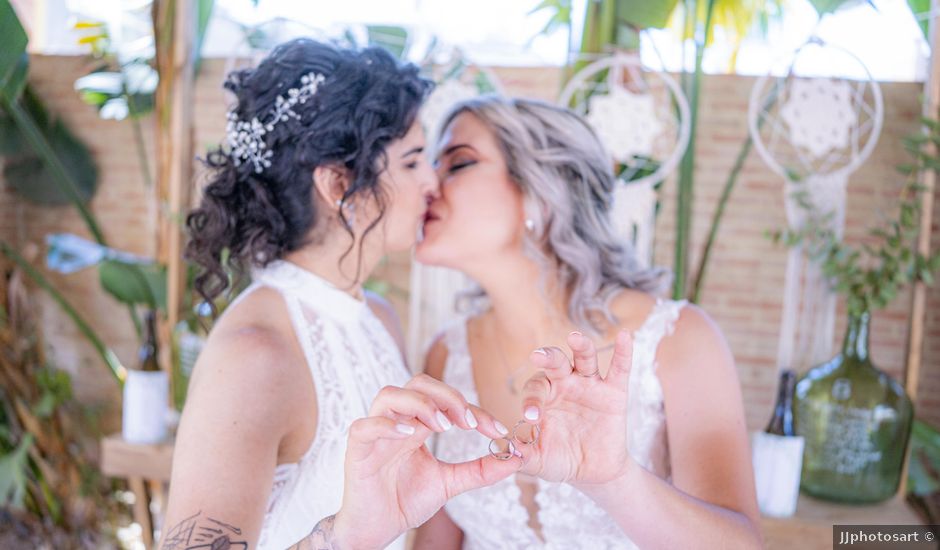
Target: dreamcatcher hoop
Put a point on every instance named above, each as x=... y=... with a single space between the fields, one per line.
x=615 y=64
x=755 y=107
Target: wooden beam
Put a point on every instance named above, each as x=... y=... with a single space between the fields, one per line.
x=915 y=341
x=174 y=33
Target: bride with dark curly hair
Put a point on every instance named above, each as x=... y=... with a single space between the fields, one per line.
x=303 y=427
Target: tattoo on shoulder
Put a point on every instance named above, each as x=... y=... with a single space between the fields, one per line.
x=203 y=533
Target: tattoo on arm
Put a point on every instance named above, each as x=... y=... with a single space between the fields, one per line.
x=321 y=538
x=203 y=533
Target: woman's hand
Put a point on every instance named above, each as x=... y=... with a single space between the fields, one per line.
x=392 y=482
x=582 y=417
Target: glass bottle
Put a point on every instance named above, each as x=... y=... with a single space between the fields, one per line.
x=781 y=423
x=147 y=354
x=857 y=422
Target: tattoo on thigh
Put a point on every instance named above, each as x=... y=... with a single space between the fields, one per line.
x=203 y=533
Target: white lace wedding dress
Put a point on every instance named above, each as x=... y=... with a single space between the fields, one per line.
x=351 y=356
x=494 y=518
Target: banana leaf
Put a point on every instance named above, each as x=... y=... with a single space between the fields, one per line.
x=134 y=284
x=27 y=174
x=48 y=143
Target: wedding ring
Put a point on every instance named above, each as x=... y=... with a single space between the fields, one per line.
x=503 y=455
x=536 y=430
x=579 y=373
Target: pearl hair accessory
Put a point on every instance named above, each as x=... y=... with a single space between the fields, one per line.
x=246 y=138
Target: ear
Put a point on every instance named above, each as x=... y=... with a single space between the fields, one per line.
x=330 y=183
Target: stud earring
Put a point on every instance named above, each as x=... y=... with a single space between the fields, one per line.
x=529 y=224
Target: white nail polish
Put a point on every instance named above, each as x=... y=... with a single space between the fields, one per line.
x=471 y=420
x=503 y=430
x=442 y=420
x=405 y=429
x=531 y=413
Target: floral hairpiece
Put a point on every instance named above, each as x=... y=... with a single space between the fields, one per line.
x=246 y=138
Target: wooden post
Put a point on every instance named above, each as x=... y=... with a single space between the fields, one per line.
x=174 y=34
x=915 y=342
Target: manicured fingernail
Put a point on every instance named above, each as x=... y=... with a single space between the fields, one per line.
x=471 y=420
x=542 y=351
x=517 y=452
x=575 y=334
x=442 y=420
x=532 y=412
x=500 y=428
x=405 y=429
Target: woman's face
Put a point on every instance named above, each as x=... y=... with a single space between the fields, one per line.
x=479 y=210
x=409 y=183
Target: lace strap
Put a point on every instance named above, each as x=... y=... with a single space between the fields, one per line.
x=661 y=321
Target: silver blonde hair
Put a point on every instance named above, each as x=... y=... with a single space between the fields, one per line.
x=567 y=181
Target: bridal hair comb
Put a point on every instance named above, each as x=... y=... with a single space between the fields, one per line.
x=246 y=138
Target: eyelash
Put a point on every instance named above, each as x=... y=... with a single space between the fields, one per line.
x=458 y=166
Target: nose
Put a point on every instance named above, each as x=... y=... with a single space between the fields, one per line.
x=430 y=184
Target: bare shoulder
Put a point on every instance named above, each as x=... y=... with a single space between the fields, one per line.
x=252 y=358
x=386 y=313
x=696 y=339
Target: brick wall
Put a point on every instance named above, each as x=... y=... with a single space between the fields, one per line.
x=743 y=290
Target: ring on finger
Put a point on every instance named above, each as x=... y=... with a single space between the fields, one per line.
x=536 y=432
x=503 y=455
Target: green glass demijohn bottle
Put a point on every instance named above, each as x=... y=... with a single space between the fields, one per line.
x=856 y=421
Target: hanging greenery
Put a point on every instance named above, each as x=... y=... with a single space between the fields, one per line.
x=870 y=275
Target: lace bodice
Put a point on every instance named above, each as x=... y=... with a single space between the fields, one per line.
x=351 y=357
x=494 y=517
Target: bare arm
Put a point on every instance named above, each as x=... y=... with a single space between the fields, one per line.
x=236 y=416
x=440 y=532
x=712 y=496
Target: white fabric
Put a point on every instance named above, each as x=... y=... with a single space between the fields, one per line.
x=493 y=517
x=807 y=322
x=351 y=357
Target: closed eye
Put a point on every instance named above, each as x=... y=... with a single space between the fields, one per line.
x=460 y=165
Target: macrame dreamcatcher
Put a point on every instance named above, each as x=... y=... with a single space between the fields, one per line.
x=434 y=290
x=642 y=117
x=814 y=132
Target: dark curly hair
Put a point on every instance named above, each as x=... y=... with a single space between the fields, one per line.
x=367 y=100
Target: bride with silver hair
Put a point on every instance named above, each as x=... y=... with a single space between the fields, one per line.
x=639 y=440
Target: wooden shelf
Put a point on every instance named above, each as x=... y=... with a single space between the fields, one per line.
x=811 y=527
x=122 y=459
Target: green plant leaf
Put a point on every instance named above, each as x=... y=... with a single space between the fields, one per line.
x=645 y=14
x=392 y=38
x=134 y=284
x=921 y=11
x=32 y=178
x=829 y=6
x=13 y=40
x=14 y=469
